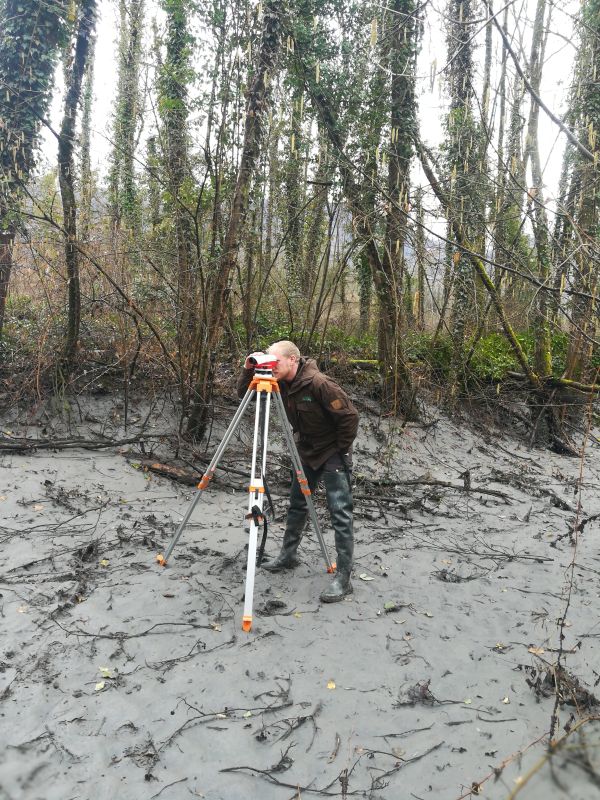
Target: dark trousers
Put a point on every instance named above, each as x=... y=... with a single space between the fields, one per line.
x=338 y=494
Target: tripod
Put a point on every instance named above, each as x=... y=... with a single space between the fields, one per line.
x=263 y=386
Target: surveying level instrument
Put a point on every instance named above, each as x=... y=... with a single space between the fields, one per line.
x=263 y=386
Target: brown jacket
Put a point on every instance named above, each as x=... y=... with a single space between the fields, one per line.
x=320 y=412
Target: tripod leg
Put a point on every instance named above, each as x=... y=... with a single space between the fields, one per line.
x=162 y=559
x=301 y=478
x=256 y=494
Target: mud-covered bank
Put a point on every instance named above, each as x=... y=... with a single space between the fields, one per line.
x=122 y=679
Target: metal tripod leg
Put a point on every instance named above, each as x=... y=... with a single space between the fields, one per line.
x=256 y=495
x=301 y=478
x=206 y=478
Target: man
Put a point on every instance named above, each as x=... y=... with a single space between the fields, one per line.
x=324 y=422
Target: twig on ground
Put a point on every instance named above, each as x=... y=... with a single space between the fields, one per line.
x=181 y=780
x=20 y=445
x=475 y=787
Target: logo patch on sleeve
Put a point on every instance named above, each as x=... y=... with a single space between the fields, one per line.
x=336 y=404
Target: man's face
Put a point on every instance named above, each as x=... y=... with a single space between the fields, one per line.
x=286 y=367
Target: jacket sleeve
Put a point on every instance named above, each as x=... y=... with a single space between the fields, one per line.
x=243 y=381
x=340 y=409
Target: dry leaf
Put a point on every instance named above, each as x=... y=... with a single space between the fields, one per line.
x=364 y=577
x=298 y=615
x=99 y=686
x=216 y=627
x=247 y=714
x=104 y=562
x=468 y=701
x=537 y=651
x=2 y=498
x=331 y=684
x=22 y=609
x=428 y=613
x=38 y=508
x=105 y=672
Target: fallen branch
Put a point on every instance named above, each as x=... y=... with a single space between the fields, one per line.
x=554 y=747
x=120 y=635
x=180 y=475
x=427 y=481
x=17 y=444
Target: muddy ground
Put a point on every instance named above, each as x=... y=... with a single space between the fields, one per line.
x=436 y=679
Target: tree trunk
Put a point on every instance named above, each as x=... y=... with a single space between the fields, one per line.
x=219 y=291
x=294 y=198
x=401 y=52
x=29 y=44
x=543 y=342
x=393 y=367
x=587 y=207
x=123 y=197
x=86 y=161
x=7 y=240
x=467 y=197
x=420 y=256
x=66 y=173
x=468 y=252
x=173 y=79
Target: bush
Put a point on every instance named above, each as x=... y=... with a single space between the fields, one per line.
x=493 y=357
x=421 y=349
x=361 y=346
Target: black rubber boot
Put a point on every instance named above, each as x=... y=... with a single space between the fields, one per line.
x=294 y=528
x=287 y=558
x=339 y=502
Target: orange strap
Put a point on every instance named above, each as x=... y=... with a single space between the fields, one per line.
x=205 y=480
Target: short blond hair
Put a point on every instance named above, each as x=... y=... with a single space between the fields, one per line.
x=285 y=348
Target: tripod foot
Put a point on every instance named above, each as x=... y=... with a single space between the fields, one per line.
x=247 y=624
x=160 y=559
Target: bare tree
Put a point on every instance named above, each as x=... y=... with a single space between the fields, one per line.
x=74 y=72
